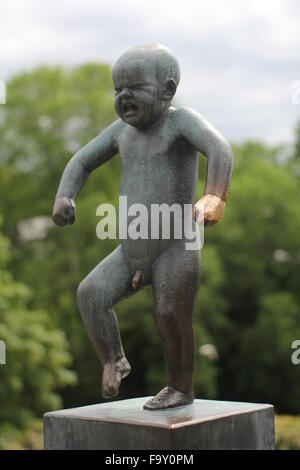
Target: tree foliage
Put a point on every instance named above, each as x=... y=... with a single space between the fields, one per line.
x=37 y=357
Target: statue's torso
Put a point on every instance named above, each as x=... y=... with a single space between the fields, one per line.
x=158 y=167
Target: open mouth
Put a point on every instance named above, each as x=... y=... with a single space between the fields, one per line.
x=129 y=108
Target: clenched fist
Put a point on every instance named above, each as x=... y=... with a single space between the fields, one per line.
x=64 y=211
x=211 y=207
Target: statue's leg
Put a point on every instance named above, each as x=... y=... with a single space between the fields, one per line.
x=175 y=282
x=108 y=283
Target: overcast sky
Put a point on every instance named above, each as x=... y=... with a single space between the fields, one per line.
x=238 y=59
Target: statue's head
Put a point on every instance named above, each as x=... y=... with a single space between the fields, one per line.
x=145 y=80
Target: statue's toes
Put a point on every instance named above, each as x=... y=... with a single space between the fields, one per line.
x=169 y=398
x=110 y=390
x=152 y=405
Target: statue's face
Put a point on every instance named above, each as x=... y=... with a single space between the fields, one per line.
x=139 y=94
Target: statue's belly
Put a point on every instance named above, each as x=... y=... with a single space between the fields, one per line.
x=152 y=216
x=146 y=184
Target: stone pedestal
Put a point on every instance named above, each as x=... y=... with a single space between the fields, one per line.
x=124 y=425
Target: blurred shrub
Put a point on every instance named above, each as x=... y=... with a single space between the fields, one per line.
x=29 y=438
x=287 y=432
x=37 y=358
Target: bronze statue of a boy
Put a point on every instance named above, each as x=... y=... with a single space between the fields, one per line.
x=158 y=147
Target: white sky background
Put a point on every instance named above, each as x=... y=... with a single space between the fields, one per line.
x=238 y=59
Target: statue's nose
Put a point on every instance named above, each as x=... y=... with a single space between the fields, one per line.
x=125 y=93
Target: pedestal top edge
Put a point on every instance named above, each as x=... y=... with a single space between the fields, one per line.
x=131 y=412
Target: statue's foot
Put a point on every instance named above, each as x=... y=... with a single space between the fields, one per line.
x=169 y=397
x=113 y=373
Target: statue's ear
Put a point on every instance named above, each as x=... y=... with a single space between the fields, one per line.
x=170 y=89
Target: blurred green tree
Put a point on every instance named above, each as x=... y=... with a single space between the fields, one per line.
x=258 y=243
x=297 y=143
x=37 y=357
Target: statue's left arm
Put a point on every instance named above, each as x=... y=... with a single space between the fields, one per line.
x=207 y=140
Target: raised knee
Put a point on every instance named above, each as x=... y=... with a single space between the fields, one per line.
x=83 y=291
x=92 y=294
x=88 y=288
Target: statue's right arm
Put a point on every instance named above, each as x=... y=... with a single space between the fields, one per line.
x=95 y=153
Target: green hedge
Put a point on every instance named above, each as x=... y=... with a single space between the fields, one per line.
x=287 y=432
